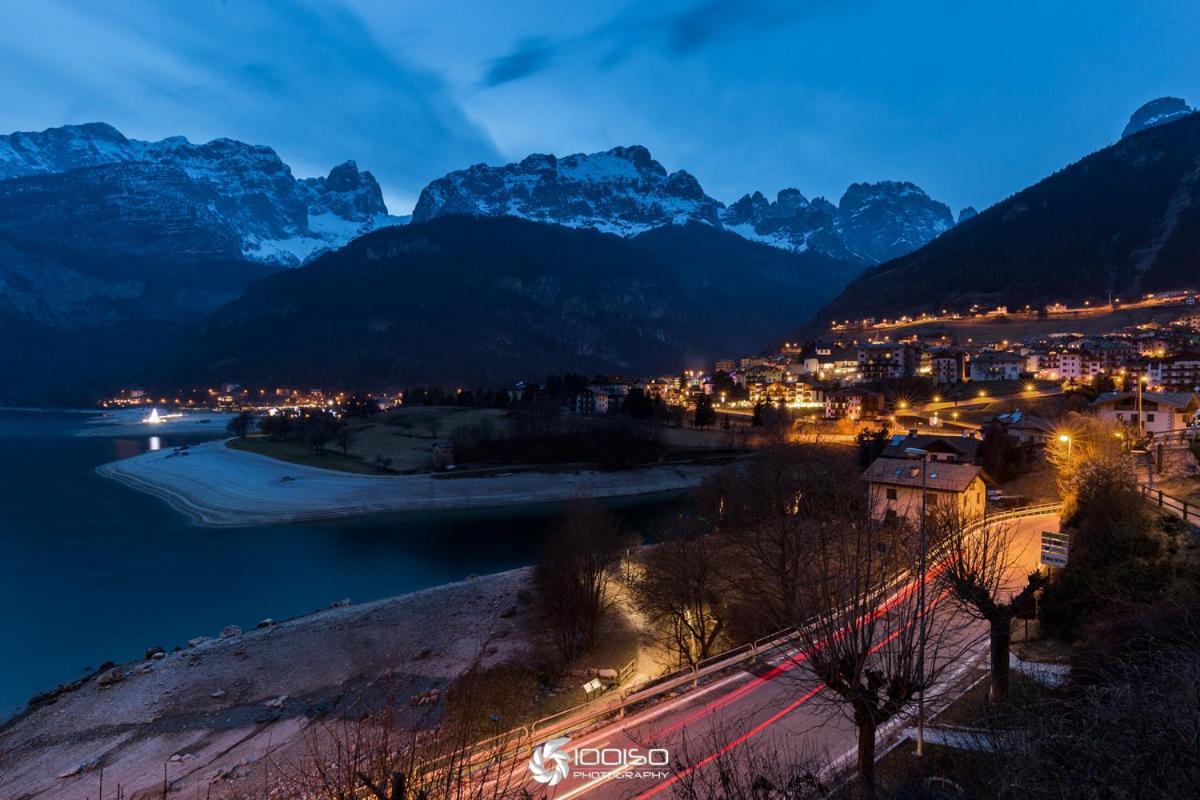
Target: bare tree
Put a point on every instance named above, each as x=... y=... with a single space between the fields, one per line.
x=460 y=754
x=343 y=437
x=982 y=573
x=1132 y=734
x=680 y=590
x=705 y=767
x=572 y=579
x=1087 y=443
x=242 y=424
x=763 y=507
x=868 y=625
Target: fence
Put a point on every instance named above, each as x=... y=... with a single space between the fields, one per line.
x=578 y=717
x=1179 y=436
x=1176 y=505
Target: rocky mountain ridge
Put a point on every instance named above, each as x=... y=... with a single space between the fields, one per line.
x=626 y=191
x=242 y=193
x=1156 y=112
x=1119 y=222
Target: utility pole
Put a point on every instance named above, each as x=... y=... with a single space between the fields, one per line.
x=924 y=456
x=1141 y=382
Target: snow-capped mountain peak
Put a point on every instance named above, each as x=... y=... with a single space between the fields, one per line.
x=622 y=190
x=627 y=192
x=243 y=189
x=1156 y=112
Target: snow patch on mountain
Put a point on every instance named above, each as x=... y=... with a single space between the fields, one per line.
x=1157 y=112
x=622 y=191
x=625 y=191
x=245 y=189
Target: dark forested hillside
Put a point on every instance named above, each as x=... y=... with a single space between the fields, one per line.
x=1125 y=219
x=471 y=299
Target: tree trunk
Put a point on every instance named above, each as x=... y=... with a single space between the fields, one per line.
x=865 y=722
x=1001 y=636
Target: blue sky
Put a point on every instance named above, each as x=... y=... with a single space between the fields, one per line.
x=971 y=101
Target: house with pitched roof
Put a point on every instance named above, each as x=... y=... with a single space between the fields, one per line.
x=949 y=449
x=1161 y=412
x=894 y=488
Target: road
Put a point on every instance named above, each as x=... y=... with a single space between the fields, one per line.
x=779 y=705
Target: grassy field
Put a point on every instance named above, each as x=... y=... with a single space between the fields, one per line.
x=404 y=438
x=296 y=452
x=407 y=435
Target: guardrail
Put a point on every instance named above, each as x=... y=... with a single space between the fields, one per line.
x=580 y=716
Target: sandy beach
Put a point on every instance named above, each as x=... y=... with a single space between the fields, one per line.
x=218 y=486
x=223 y=708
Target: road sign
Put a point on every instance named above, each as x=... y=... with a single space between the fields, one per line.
x=1055 y=545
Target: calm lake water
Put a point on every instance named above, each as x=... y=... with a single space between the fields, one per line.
x=92 y=571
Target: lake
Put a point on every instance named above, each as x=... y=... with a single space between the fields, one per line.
x=91 y=570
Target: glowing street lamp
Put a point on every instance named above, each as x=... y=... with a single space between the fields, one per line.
x=1067 y=441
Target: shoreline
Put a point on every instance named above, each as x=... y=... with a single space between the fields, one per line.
x=217 y=709
x=218 y=486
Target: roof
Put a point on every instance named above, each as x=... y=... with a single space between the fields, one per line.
x=995 y=357
x=1185 y=357
x=848 y=392
x=907 y=472
x=1019 y=419
x=966 y=447
x=1184 y=401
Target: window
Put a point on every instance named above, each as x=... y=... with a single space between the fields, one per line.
x=1149 y=418
x=931 y=499
x=891 y=494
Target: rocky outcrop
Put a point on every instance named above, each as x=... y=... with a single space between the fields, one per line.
x=233 y=197
x=1157 y=112
x=625 y=191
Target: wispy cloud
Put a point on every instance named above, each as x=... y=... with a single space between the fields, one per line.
x=307 y=78
x=674 y=33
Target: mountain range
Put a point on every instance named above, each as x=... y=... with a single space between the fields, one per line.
x=243 y=195
x=97 y=229
x=627 y=192
x=1123 y=220
x=123 y=260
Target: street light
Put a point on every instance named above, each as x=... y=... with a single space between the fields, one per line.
x=1067 y=441
x=917 y=452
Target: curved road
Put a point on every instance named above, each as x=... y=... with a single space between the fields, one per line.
x=780 y=705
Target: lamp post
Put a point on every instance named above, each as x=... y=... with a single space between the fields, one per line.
x=1141 y=383
x=1067 y=441
x=917 y=452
